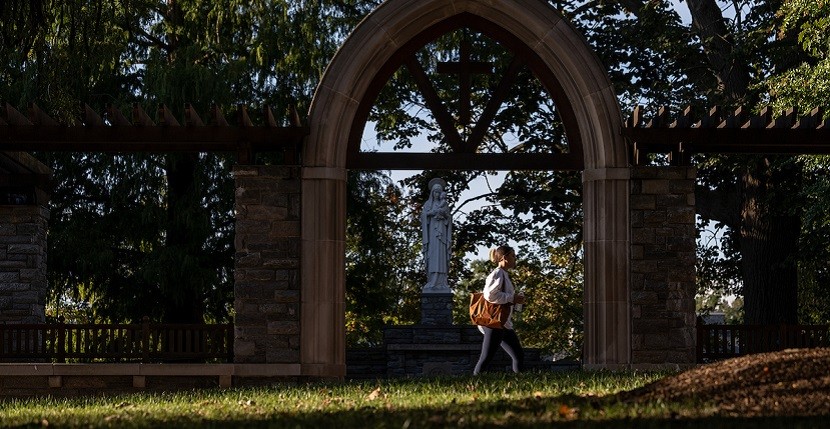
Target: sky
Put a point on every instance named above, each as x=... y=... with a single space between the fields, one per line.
x=683 y=10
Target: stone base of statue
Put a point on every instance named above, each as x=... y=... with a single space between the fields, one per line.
x=436 y=307
x=434 y=347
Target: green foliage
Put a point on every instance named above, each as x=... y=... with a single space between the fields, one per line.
x=631 y=38
x=717 y=262
x=383 y=275
x=808 y=85
x=811 y=19
x=712 y=301
x=552 y=317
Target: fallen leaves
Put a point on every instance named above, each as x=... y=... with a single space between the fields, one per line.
x=374 y=395
x=791 y=382
x=568 y=413
x=246 y=403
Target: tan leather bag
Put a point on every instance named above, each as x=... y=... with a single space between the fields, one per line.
x=485 y=313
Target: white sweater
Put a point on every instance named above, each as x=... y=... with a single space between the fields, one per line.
x=499 y=290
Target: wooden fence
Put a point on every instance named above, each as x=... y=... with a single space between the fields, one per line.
x=725 y=341
x=142 y=342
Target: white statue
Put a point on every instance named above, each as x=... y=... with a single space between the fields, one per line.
x=436 y=223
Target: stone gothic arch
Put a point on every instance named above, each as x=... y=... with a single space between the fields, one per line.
x=587 y=90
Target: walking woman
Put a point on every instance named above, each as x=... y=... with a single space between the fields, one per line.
x=499 y=290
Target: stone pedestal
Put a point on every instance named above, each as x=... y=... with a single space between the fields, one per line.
x=436 y=308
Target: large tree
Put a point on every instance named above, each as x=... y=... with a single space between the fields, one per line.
x=729 y=48
x=152 y=234
x=805 y=87
x=757 y=197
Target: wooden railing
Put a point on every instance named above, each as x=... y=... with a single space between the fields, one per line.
x=725 y=341
x=142 y=342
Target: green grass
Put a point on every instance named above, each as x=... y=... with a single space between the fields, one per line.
x=560 y=399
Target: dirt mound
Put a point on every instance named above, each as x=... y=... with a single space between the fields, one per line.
x=792 y=382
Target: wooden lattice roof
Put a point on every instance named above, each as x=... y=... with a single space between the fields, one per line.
x=116 y=133
x=719 y=131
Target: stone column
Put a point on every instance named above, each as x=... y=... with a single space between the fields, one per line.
x=607 y=307
x=663 y=266
x=323 y=351
x=23 y=263
x=267 y=265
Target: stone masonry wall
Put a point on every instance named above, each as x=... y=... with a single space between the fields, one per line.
x=662 y=205
x=23 y=263
x=267 y=266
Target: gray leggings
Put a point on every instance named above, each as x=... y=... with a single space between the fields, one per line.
x=508 y=340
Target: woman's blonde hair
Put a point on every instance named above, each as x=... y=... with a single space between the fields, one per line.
x=498 y=253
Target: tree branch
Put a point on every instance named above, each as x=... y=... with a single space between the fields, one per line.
x=720 y=205
x=153 y=40
x=710 y=25
x=469 y=200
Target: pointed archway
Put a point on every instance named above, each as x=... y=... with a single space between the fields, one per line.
x=583 y=88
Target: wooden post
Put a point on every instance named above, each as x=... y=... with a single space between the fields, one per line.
x=145 y=342
x=60 y=353
x=229 y=341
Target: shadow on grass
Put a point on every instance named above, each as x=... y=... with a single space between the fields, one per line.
x=490 y=402
x=436 y=419
x=599 y=413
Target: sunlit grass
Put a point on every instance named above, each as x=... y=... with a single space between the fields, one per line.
x=527 y=400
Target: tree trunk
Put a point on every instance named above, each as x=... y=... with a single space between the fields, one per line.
x=769 y=242
x=184 y=302
x=183 y=297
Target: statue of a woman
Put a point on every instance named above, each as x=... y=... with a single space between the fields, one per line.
x=436 y=223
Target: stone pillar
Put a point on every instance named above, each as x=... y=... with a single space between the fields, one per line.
x=323 y=351
x=607 y=343
x=24 y=219
x=436 y=308
x=23 y=263
x=663 y=266
x=267 y=265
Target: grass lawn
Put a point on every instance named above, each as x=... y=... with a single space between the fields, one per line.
x=554 y=399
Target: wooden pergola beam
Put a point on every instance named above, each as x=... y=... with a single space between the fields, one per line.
x=116 y=134
x=13 y=117
x=38 y=117
x=140 y=117
x=732 y=140
x=115 y=117
x=735 y=132
x=147 y=139
x=191 y=118
x=166 y=118
x=464 y=161
x=90 y=118
x=217 y=117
